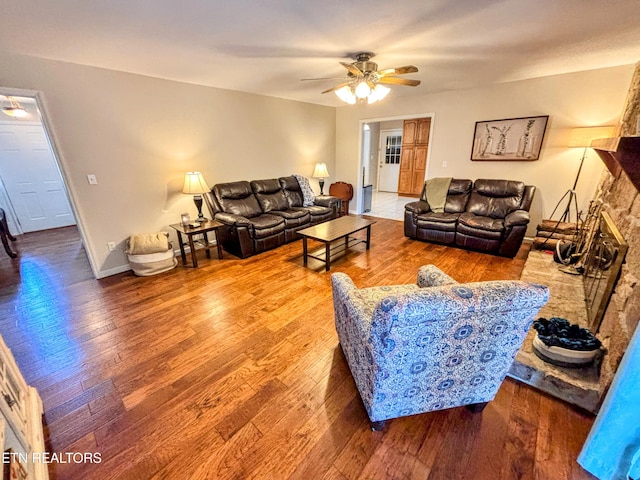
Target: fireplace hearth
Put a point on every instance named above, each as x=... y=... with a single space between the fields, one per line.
x=580 y=299
x=579 y=386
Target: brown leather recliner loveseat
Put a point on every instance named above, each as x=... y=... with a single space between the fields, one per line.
x=485 y=215
x=264 y=214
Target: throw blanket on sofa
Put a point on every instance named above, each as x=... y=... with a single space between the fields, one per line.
x=436 y=192
x=145 y=243
x=307 y=194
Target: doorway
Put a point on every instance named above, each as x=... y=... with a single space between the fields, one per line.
x=32 y=189
x=385 y=204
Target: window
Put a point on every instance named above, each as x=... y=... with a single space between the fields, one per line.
x=392 y=150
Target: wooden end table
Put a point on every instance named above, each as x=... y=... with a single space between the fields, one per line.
x=190 y=232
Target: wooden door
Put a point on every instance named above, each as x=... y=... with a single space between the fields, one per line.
x=405 y=176
x=413 y=162
x=419 y=169
x=32 y=179
x=423 y=129
x=409 y=130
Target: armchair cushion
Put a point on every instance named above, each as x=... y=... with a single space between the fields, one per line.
x=416 y=350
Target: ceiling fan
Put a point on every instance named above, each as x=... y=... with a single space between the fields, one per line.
x=365 y=83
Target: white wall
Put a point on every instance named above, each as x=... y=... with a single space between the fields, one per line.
x=139 y=136
x=573 y=100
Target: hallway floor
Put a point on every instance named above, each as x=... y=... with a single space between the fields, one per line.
x=389 y=205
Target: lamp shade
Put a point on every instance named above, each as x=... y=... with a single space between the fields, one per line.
x=346 y=95
x=320 y=171
x=194 y=183
x=582 y=137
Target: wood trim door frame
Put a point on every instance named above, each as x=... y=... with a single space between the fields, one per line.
x=42 y=106
x=358 y=197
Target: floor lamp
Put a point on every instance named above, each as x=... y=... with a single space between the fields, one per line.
x=580 y=138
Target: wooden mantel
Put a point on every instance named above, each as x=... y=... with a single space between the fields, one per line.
x=620 y=154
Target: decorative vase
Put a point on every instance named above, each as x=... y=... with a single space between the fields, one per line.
x=523 y=145
x=486 y=146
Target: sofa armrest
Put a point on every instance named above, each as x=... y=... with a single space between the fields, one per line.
x=517 y=217
x=326 y=201
x=432 y=276
x=209 y=199
x=417 y=207
x=232 y=219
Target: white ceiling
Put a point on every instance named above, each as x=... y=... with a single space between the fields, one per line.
x=267 y=46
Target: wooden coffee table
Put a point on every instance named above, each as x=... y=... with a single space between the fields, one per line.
x=333 y=230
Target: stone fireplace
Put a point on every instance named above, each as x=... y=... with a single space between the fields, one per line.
x=622 y=203
x=620 y=312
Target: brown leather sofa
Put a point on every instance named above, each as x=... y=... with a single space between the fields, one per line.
x=264 y=214
x=485 y=215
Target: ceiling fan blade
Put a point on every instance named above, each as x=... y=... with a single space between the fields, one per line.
x=398 y=71
x=321 y=78
x=337 y=87
x=399 y=81
x=353 y=70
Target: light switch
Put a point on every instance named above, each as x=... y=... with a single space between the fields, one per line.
x=92 y=179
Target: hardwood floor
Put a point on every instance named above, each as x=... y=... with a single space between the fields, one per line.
x=233 y=371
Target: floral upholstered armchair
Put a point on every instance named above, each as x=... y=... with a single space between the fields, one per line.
x=435 y=345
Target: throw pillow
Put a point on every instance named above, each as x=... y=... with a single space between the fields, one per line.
x=308 y=196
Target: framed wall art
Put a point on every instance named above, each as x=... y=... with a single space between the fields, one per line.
x=517 y=139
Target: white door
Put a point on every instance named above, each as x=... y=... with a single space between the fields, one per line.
x=32 y=179
x=389 y=160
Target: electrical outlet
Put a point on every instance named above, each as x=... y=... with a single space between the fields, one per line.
x=444 y=164
x=92 y=179
x=111 y=246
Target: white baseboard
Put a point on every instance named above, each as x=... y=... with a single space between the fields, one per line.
x=113 y=271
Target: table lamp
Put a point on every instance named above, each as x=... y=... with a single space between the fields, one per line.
x=320 y=172
x=194 y=184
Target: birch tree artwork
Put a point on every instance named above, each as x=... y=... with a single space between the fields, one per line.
x=509 y=139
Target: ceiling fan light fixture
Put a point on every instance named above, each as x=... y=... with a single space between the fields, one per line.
x=363 y=81
x=378 y=93
x=346 y=95
x=362 y=90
